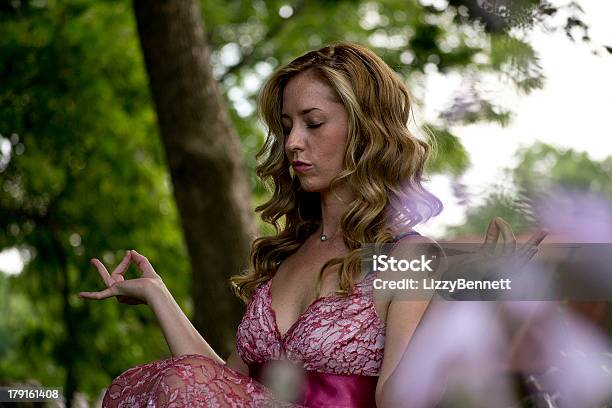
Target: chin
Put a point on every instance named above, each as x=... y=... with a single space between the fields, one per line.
x=310 y=187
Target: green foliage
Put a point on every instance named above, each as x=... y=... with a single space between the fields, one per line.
x=518 y=61
x=540 y=168
x=543 y=165
x=450 y=156
x=83 y=172
x=512 y=207
x=84 y=177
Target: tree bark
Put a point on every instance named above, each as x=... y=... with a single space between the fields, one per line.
x=204 y=157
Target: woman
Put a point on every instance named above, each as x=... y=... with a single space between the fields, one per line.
x=345 y=170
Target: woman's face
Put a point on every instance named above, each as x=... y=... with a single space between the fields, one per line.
x=315 y=125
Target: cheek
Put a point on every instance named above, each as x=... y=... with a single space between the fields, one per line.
x=339 y=141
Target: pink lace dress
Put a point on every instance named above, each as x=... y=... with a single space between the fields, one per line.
x=337 y=343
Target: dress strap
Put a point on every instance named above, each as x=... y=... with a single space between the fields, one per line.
x=405 y=234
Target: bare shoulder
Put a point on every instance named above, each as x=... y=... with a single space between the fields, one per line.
x=413 y=246
x=415 y=239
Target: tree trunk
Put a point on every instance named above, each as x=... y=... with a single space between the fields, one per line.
x=205 y=160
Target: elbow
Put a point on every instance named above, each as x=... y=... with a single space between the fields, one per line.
x=386 y=398
x=379 y=396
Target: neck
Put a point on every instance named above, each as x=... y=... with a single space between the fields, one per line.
x=333 y=207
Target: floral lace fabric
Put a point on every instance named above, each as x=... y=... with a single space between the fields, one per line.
x=187 y=381
x=334 y=335
x=337 y=336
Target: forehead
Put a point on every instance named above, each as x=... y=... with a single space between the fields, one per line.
x=305 y=91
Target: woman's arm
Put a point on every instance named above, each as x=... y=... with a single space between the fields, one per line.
x=403 y=317
x=181 y=336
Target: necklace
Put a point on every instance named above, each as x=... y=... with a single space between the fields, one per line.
x=324 y=237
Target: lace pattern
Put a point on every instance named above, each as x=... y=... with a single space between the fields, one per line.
x=334 y=334
x=187 y=381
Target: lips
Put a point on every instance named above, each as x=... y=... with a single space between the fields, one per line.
x=301 y=166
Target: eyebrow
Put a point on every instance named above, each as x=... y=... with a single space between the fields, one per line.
x=302 y=112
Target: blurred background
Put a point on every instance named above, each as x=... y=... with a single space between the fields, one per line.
x=131 y=125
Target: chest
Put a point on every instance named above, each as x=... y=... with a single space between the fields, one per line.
x=293 y=288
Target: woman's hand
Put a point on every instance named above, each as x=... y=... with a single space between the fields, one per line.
x=510 y=256
x=489 y=260
x=509 y=249
x=132 y=291
x=498 y=226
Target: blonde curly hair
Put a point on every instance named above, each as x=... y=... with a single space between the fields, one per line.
x=383 y=164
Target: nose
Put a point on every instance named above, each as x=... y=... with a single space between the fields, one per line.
x=295 y=140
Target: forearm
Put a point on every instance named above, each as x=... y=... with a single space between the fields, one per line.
x=391 y=395
x=181 y=336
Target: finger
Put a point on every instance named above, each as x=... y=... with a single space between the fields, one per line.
x=496 y=227
x=102 y=271
x=534 y=240
x=143 y=263
x=492 y=233
x=123 y=265
x=537 y=237
x=509 y=245
x=103 y=294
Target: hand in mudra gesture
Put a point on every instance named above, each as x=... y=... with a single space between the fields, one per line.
x=131 y=291
x=510 y=253
x=493 y=256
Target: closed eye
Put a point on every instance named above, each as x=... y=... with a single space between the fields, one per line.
x=286 y=131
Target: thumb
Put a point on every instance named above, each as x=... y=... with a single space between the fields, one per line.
x=143 y=263
x=492 y=234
